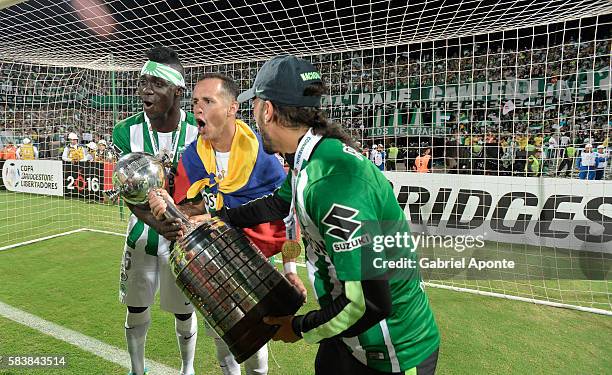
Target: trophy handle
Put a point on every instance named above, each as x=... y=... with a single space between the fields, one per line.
x=172 y=212
x=111 y=194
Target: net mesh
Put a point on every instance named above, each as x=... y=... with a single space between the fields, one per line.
x=483 y=85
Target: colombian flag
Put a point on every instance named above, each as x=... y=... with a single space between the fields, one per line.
x=252 y=174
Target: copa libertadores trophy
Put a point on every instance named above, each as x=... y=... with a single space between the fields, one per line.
x=218 y=268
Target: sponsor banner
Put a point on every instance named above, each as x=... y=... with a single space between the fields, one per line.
x=550 y=212
x=33 y=176
x=84 y=179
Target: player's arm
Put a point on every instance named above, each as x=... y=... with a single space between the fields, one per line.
x=170 y=229
x=340 y=216
x=363 y=304
x=268 y=208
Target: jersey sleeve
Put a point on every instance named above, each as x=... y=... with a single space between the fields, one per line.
x=346 y=209
x=121 y=139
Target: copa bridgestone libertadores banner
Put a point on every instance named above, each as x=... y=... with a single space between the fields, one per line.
x=552 y=212
x=33 y=176
x=55 y=177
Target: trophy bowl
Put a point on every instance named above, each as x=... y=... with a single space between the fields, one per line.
x=135 y=174
x=233 y=285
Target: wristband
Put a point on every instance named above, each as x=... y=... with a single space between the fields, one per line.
x=290 y=267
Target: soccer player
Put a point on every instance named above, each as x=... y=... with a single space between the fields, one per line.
x=161 y=129
x=366 y=325
x=227 y=167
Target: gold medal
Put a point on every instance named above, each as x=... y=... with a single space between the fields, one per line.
x=291 y=249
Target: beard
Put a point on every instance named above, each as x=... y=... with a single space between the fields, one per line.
x=268 y=145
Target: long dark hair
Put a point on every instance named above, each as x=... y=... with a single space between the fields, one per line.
x=313 y=117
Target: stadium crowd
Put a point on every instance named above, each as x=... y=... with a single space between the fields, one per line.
x=45 y=104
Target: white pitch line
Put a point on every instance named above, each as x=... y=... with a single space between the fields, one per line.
x=86 y=343
x=41 y=239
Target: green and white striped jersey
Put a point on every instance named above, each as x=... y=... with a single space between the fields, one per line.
x=337 y=192
x=133 y=135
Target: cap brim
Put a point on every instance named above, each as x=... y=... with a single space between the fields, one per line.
x=248 y=94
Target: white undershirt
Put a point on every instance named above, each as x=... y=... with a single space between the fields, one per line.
x=222 y=161
x=165 y=141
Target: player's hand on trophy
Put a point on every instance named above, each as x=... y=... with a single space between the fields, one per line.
x=171 y=229
x=157 y=202
x=295 y=280
x=285 y=332
x=198 y=219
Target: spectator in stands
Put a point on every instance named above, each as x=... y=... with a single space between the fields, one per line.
x=492 y=155
x=568 y=153
x=533 y=167
x=392 y=157
x=92 y=148
x=366 y=151
x=581 y=116
x=412 y=151
x=520 y=157
x=103 y=154
x=602 y=162
x=553 y=145
x=451 y=154
x=587 y=163
x=45 y=146
x=379 y=157
x=27 y=151
x=373 y=153
x=403 y=157
x=73 y=152
x=422 y=164
x=9 y=152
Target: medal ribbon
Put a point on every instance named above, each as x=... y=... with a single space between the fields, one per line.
x=304 y=149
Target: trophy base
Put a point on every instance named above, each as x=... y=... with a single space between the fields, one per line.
x=250 y=334
x=233 y=285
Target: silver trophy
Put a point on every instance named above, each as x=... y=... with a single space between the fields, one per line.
x=219 y=269
x=135 y=175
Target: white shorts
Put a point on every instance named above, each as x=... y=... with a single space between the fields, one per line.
x=140 y=277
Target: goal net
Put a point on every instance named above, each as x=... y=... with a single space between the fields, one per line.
x=479 y=113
